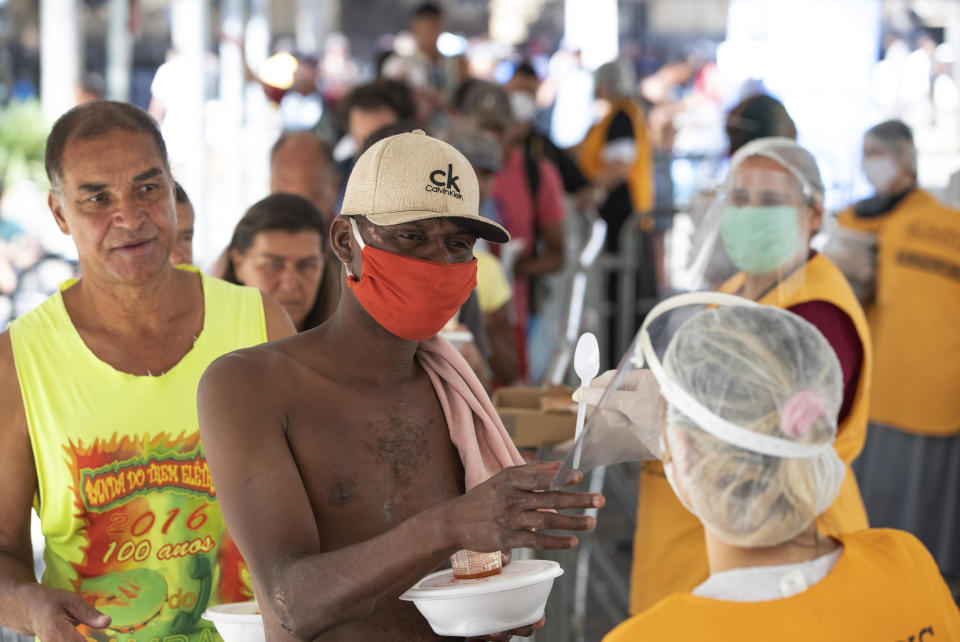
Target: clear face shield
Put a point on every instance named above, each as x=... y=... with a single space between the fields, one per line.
x=755 y=235
x=740 y=401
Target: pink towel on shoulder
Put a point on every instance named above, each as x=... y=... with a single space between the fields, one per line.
x=475 y=427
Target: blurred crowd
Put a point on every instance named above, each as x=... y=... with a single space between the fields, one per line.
x=882 y=285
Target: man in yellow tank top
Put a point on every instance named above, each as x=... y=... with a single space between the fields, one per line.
x=98 y=389
x=908 y=467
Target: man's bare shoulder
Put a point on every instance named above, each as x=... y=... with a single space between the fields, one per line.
x=8 y=368
x=282 y=364
x=10 y=399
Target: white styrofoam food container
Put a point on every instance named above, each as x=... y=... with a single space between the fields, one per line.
x=514 y=598
x=237 y=622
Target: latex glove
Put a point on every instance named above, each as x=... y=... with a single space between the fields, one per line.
x=635 y=407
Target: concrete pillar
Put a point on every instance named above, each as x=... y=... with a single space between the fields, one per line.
x=59 y=56
x=186 y=134
x=119 y=50
x=315 y=19
x=593 y=26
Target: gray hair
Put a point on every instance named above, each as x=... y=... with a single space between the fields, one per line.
x=617 y=77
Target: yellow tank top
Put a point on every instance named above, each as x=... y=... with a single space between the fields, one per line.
x=125 y=499
x=640 y=178
x=884 y=586
x=669 y=552
x=916 y=317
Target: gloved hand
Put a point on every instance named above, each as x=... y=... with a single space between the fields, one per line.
x=635 y=411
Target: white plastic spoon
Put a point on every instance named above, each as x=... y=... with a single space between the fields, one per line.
x=586 y=363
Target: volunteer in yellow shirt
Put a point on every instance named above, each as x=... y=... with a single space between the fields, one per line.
x=99 y=430
x=890 y=166
x=757 y=467
x=763 y=222
x=909 y=463
x=617 y=156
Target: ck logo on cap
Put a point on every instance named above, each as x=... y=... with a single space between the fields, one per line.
x=443 y=181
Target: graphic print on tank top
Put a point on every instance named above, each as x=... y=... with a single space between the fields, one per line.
x=154 y=537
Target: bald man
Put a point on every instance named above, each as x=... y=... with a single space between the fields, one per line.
x=301 y=163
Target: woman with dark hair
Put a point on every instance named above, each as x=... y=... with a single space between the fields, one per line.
x=279 y=247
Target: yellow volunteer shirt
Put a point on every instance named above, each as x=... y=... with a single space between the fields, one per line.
x=493 y=289
x=126 y=503
x=669 y=552
x=885 y=587
x=640 y=175
x=916 y=319
x=875 y=224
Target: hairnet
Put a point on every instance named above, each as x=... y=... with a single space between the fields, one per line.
x=616 y=77
x=896 y=136
x=787 y=153
x=753 y=395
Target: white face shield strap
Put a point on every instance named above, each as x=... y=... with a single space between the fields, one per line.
x=690 y=407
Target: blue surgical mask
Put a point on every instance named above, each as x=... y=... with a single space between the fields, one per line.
x=759 y=240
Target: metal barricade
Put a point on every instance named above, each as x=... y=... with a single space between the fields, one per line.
x=592 y=596
x=575 y=299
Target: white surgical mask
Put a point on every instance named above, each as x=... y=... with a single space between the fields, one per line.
x=522 y=106
x=881 y=171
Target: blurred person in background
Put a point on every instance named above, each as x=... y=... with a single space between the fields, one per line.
x=758 y=116
x=774 y=572
x=280 y=247
x=426 y=65
x=302 y=106
x=533 y=213
x=908 y=470
x=91 y=87
x=494 y=294
x=339 y=70
x=302 y=163
x=522 y=90
x=769 y=209
x=182 y=252
x=890 y=166
x=367 y=108
x=616 y=154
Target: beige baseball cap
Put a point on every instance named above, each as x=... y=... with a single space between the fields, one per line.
x=414 y=177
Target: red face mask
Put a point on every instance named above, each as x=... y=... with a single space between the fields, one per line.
x=411 y=298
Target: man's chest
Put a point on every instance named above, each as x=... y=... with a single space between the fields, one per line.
x=369 y=469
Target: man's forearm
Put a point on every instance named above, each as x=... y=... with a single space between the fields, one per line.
x=16 y=582
x=316 y=593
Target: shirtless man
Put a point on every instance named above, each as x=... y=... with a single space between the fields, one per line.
x=331 y=452
x=97 y=391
